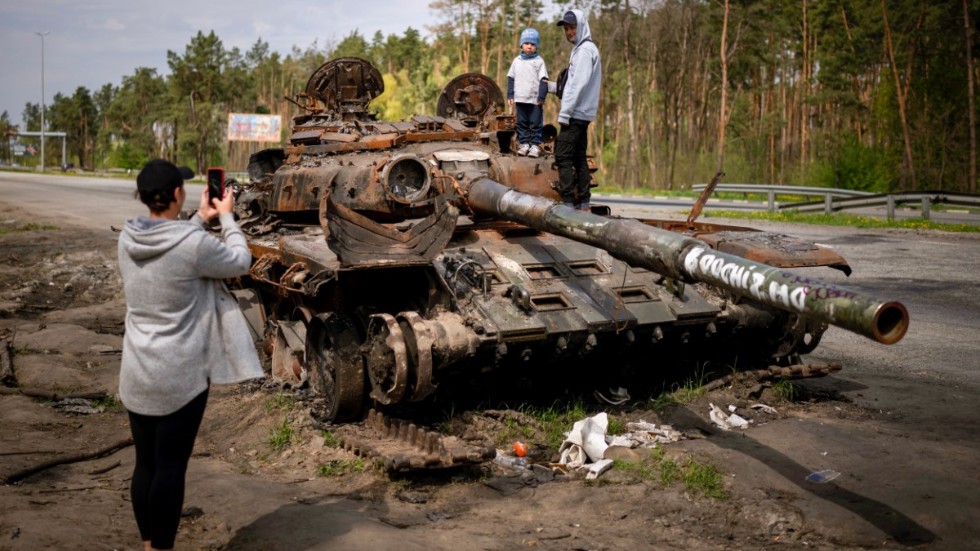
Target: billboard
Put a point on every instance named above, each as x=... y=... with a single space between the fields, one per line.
x=249 y=127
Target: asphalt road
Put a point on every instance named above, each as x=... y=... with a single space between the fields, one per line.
x=910 y=474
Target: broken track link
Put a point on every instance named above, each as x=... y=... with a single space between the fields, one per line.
x=798 y=371
x=403 y=446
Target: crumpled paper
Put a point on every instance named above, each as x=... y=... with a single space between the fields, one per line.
x=726 y=421
x=586 y=442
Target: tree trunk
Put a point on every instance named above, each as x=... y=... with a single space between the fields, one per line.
x=724 y=92
x=906 y=138
x=631 y=137
x=971 y=98
x=804 y=92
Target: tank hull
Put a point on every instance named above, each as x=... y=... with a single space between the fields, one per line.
x=392 y=257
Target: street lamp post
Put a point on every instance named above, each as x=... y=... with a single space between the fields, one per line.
x=42 y=35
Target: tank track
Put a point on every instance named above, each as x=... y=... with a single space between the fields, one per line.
x=402 y=446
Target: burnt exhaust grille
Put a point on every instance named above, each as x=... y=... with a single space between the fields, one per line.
x=631 y=295
x=587 y=267
x=550 y=302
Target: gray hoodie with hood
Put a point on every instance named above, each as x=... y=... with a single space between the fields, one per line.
x=580 y=99
x=183 y=328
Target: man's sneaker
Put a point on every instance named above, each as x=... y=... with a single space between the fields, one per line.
x=535 y=151
x=523 y=149
x=585 y=206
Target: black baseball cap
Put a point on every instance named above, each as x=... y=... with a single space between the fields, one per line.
x=160 y=175
x=568 y=19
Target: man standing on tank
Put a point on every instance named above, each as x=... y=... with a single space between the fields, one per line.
x=579 y=103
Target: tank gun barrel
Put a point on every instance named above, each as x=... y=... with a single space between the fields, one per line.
x=688 y=259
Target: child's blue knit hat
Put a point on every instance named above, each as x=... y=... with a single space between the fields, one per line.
x=531 y=35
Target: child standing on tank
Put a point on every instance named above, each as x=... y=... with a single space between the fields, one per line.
x=526 y=89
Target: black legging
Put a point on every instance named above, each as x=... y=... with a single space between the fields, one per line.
x=163 y=448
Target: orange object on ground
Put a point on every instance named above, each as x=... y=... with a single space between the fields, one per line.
x=520 y=448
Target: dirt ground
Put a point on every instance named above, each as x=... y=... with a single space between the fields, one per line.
x=61 y=304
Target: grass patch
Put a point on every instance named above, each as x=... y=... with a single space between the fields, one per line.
x=640 y=469
x=280 y=401
x=330 y=439
x=842 y=219
x=109 y=403
x=669 y=472
x=341 y=467
x=556 y=420
x=698 y=478
x=681 y=393
x=281 y=435
x=616 y=426
x=783 y=389
x=703 y=479
x=31 y=226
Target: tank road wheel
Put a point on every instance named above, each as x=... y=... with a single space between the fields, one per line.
x=336 y=366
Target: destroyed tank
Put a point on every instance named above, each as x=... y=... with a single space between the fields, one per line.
x=391 y=256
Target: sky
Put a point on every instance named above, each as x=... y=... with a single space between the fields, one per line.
x=96 y=42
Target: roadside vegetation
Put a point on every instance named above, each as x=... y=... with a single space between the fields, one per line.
x=841 y=219
x=698 y=478
x=4 y=229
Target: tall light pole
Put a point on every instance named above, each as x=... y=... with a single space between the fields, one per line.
x=42 y=35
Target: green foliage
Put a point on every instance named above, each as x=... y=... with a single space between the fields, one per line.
x=669 y=472
x=681 y=393
x=548 y=425
x=703 y=479
x=124 y=155
x=281 y=435
x=855 y=166
x=616 y=426
x=698 y=478
x=783 y=389
x=280 y=401
x=30 y=226
x=330 y=439
x=109 y=403
x=640 y=469
x=341 y=467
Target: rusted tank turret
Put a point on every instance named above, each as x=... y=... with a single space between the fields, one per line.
x=391 y=253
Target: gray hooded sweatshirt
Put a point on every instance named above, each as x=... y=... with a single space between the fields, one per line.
x=580 y=100
x=183 y=327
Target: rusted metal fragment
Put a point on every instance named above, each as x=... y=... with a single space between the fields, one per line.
x=703 y=198
x=470 y=97
x=403 y=446
x=386 y=359
x=524 y=174
x=344 y=87
x=799 y=371
x=774 y=249
x=288 y=353
x=439 y=136
x=361 y=241
x=303 y=137
x=337 y=137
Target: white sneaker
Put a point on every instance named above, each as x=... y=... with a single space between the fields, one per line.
x=523 y=149
x=534 y=151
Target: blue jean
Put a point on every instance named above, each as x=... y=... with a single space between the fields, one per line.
x=530 y=120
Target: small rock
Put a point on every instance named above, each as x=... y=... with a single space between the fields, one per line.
x=413 y=496
x=192 y=511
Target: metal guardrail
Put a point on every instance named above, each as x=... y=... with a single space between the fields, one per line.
x=843 y=199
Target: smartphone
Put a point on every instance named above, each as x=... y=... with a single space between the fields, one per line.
x=216 y=183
